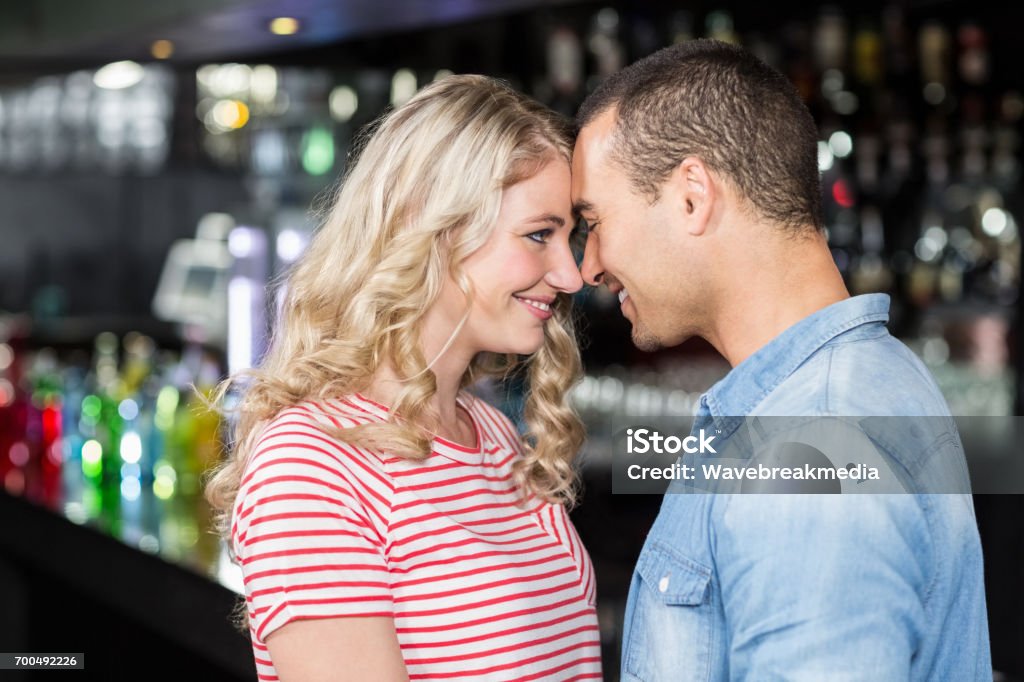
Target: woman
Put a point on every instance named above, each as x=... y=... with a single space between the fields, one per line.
x=389 y=525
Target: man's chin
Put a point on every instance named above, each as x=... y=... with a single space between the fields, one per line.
x=646 y=340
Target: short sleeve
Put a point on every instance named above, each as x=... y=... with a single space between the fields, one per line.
x=309 y=529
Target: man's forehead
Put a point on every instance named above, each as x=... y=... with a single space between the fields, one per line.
x=595 y=137
x=590 y=159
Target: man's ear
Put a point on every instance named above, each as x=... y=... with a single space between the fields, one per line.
x=698 y=193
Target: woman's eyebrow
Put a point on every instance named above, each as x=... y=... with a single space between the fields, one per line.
x=548 y=218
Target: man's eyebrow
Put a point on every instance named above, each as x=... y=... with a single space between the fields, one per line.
x=548 y=218
x=580 y=206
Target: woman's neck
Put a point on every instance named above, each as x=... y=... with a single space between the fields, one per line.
x=442 y=416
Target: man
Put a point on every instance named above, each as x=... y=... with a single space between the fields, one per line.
x=696 y=172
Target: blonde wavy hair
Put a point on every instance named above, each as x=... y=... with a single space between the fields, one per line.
x=424 y=194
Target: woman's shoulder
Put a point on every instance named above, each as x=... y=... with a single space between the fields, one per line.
x=300 y=470
x=310 y=434
x=331 y=413
x=326 y=417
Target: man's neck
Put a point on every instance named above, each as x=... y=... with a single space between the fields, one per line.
x=770 y=288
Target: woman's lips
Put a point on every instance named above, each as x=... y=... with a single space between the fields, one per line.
x=538 y=309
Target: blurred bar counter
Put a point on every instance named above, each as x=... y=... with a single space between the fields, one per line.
x=106 y=544
x=73 y=587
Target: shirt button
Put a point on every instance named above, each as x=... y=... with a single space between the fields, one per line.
x=663 y=584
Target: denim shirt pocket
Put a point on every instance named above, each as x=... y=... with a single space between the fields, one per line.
x=671 y=633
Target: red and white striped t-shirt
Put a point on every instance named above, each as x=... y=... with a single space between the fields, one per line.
x=479 y=588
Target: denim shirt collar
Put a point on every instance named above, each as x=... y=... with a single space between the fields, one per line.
x=749 y=382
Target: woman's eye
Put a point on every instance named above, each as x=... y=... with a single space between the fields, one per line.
x=540 y=236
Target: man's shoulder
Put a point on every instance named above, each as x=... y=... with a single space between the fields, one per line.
x=867 y=376
x=880 y=383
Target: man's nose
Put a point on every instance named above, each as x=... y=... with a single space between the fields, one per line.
x=590 y=267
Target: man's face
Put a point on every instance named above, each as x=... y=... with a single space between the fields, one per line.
x=633 y=245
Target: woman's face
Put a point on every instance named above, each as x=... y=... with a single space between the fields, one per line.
x=521 y=267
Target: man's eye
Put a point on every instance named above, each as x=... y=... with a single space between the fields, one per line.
x=585 y=227
x=540 y=236
x=582 y=230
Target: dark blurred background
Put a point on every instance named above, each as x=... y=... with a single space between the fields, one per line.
x=161 y=163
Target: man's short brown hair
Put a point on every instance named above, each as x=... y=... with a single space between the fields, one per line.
x=720 y=103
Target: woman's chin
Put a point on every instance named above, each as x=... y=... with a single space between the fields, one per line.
x=524 y=345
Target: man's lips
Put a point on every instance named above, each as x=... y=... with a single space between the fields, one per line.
x=623 y=296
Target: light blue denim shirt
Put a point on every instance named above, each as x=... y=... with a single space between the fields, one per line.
x=813 y=587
